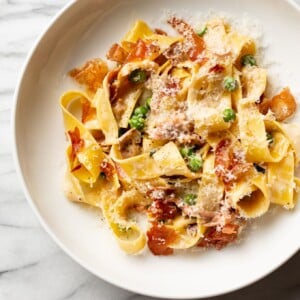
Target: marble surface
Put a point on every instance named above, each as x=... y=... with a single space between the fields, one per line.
x=31 y=265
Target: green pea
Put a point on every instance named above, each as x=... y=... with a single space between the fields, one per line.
x=229 y=115
x=138 y=76
x=141 y=111
x=230 y=84
x=195 y=163
x=190 y=199
x=248 y=60
x=186 y=151
x=137 y=122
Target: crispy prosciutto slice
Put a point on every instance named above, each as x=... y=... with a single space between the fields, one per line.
x=163 y=210
x=88 y=112
x=219 y=238
x=217 y=69
x=159 y=239
x=117 y=53
x=194 y=43
x=230 y=163
x=138 y=51
x=164 y=205
x=283 y=105
x=143 y=50
x=91 y=74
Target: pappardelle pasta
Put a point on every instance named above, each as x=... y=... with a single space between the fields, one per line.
x=182 y=131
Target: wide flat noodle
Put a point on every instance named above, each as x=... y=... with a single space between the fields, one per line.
x=152 y=145
x=292 y=132
x=79 y=191
x=254 y=81
x=281 y=181
x=141 y=30
x=240 y=45
x=106 y=118
x=166 y=161
x=211 y=190
x=250 y=197
x=188 y=232
x=127 y=233
x=170 y=161
x=237 y=95
x=253 y=136
x=183 y=73
x=216 y=38
x=91 y=154
x=130 y=100
x=206 y=102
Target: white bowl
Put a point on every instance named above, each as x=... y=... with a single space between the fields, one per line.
x=83 y=30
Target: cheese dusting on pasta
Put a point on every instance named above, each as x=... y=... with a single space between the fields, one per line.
x=182 y=131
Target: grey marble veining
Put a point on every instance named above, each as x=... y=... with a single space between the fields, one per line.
x=31 y=265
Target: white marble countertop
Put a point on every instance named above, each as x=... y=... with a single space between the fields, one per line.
x=31 y=265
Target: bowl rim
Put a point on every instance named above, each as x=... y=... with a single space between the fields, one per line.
x=43 y=223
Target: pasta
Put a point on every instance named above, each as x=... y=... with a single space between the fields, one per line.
x=182 y=131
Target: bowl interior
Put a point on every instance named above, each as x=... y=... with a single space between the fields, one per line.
x=86 y=29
